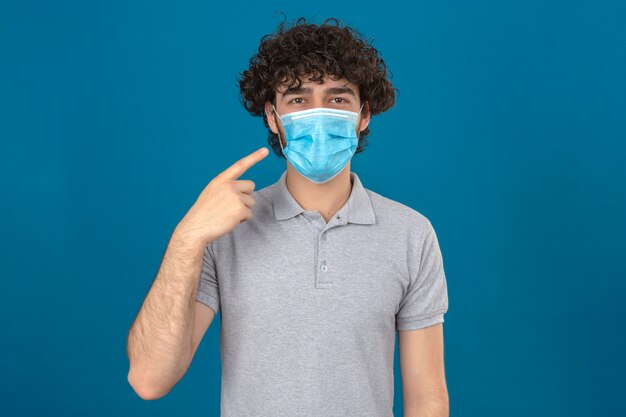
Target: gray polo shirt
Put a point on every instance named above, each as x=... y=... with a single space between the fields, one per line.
x=309 y=309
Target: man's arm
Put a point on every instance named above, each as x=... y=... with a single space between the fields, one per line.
x=424 y=390
x=164 y=336
x=171 y=322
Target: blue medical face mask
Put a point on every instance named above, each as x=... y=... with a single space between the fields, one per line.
x=320 y=141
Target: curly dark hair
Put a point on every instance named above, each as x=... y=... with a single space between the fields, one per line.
x=309 y=49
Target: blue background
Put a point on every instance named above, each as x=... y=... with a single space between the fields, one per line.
x=508 y=133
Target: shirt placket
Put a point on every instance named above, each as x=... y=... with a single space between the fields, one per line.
x=323 y=267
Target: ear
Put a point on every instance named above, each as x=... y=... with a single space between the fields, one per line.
x=366 y=115
x=271 y=117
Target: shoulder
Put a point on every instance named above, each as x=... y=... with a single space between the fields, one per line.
x=264 y=209
x=395 y=214
x=265 y=194
x=262 y=216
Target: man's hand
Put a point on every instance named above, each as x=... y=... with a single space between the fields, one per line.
x=224 y=203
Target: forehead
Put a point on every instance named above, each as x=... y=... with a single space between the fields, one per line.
x=328 y=82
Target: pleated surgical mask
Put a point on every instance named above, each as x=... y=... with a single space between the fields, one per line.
x=320 y=141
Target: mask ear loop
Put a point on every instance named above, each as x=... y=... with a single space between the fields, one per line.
x=359 y=119
x=279 y=138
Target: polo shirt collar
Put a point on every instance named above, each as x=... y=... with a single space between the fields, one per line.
x=358 y=208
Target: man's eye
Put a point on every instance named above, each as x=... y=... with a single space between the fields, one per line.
x=343 y=100
x=294 y=100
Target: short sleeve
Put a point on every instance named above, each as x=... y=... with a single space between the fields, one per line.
x=426 y=298
x=208 y=288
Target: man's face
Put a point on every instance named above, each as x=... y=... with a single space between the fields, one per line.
x=337 y=94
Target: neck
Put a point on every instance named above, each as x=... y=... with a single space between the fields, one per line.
x=325 y=198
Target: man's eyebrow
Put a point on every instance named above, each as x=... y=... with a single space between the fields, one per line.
x=329 y=90
x=340 y=90
x=297 y=90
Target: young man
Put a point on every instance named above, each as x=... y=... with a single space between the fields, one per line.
x=314 y=274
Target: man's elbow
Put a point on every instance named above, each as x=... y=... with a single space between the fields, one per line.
x=147 y=391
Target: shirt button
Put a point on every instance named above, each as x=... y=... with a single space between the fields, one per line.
x=324 y=268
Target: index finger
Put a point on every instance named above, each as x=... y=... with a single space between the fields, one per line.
x=238 y=168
